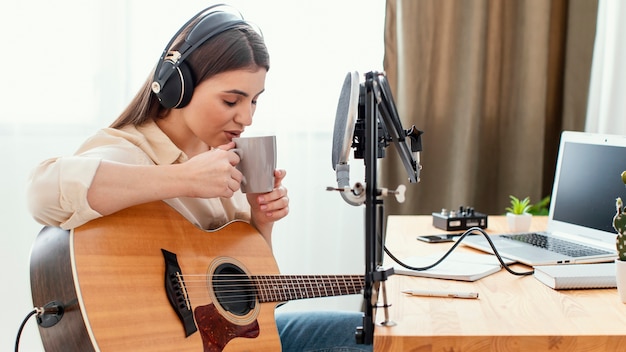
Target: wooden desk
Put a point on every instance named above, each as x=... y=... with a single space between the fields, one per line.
x=513 y=313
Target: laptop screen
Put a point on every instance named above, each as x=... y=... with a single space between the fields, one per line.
x=588 y=180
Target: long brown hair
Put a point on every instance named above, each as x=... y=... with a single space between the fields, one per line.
x=237 y=48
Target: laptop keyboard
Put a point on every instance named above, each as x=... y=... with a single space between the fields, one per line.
x=556 y=245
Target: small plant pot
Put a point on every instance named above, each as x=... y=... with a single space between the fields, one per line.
x=519 y=222
x=620 y=279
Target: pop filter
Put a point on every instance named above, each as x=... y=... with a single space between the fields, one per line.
x=345 y=119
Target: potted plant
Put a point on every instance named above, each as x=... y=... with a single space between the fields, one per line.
x=517 y=214
x=619 y=224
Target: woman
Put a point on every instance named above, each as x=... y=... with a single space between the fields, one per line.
x=173 y=143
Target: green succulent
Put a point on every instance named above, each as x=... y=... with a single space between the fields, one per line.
x=619 y=224
x=519 y=206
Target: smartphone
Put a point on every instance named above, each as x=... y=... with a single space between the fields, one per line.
x=444 y=237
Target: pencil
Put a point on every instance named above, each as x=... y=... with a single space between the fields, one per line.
x=448 y=294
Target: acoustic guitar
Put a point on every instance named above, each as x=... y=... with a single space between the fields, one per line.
x=146 y=279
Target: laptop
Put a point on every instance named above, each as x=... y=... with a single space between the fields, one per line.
x=586 y=182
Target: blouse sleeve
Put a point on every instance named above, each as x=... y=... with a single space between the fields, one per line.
x=57 y=191
x=57 y=188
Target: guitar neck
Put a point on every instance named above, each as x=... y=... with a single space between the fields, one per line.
x=280 y=288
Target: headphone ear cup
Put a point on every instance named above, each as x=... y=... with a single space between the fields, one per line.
x=188 y=85
x=177 y=91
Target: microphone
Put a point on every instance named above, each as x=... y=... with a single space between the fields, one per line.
x=346 y=126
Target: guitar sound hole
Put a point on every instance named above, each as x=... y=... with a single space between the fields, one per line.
x=233 y=289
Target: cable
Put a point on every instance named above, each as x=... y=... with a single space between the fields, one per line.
x=19 y=332
x=47 y=316
x=465 y=234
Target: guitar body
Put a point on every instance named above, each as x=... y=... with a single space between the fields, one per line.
x=110 y=275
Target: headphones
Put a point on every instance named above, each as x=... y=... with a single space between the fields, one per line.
x=173 y=81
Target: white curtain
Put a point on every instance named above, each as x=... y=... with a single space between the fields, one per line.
x=70 y=67
x=606 y=110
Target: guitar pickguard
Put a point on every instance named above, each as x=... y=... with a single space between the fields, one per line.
x=217 y=331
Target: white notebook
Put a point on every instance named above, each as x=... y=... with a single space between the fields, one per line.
x=457 y=266
x=577 y=276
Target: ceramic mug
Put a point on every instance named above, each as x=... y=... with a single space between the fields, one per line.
x=257 y=164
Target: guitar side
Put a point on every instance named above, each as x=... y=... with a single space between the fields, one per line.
x=118 y=280
x=51 y=280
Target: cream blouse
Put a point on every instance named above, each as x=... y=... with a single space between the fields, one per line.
x=57 y=189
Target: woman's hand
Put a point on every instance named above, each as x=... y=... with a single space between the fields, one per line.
x=266 y=208
x=213 y=174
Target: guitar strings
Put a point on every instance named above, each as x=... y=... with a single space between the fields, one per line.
x=238 y=288
x=283 y=279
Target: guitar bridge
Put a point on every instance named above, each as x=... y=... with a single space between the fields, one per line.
x=177 y=292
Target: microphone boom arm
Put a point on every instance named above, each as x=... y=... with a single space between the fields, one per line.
x=387 y=110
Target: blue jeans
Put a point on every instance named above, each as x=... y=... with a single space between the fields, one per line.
x=317 y=331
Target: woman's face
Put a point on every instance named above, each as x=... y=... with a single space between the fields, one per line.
x=223 y=105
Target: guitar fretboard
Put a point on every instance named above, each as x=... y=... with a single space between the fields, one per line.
x=272 y=288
